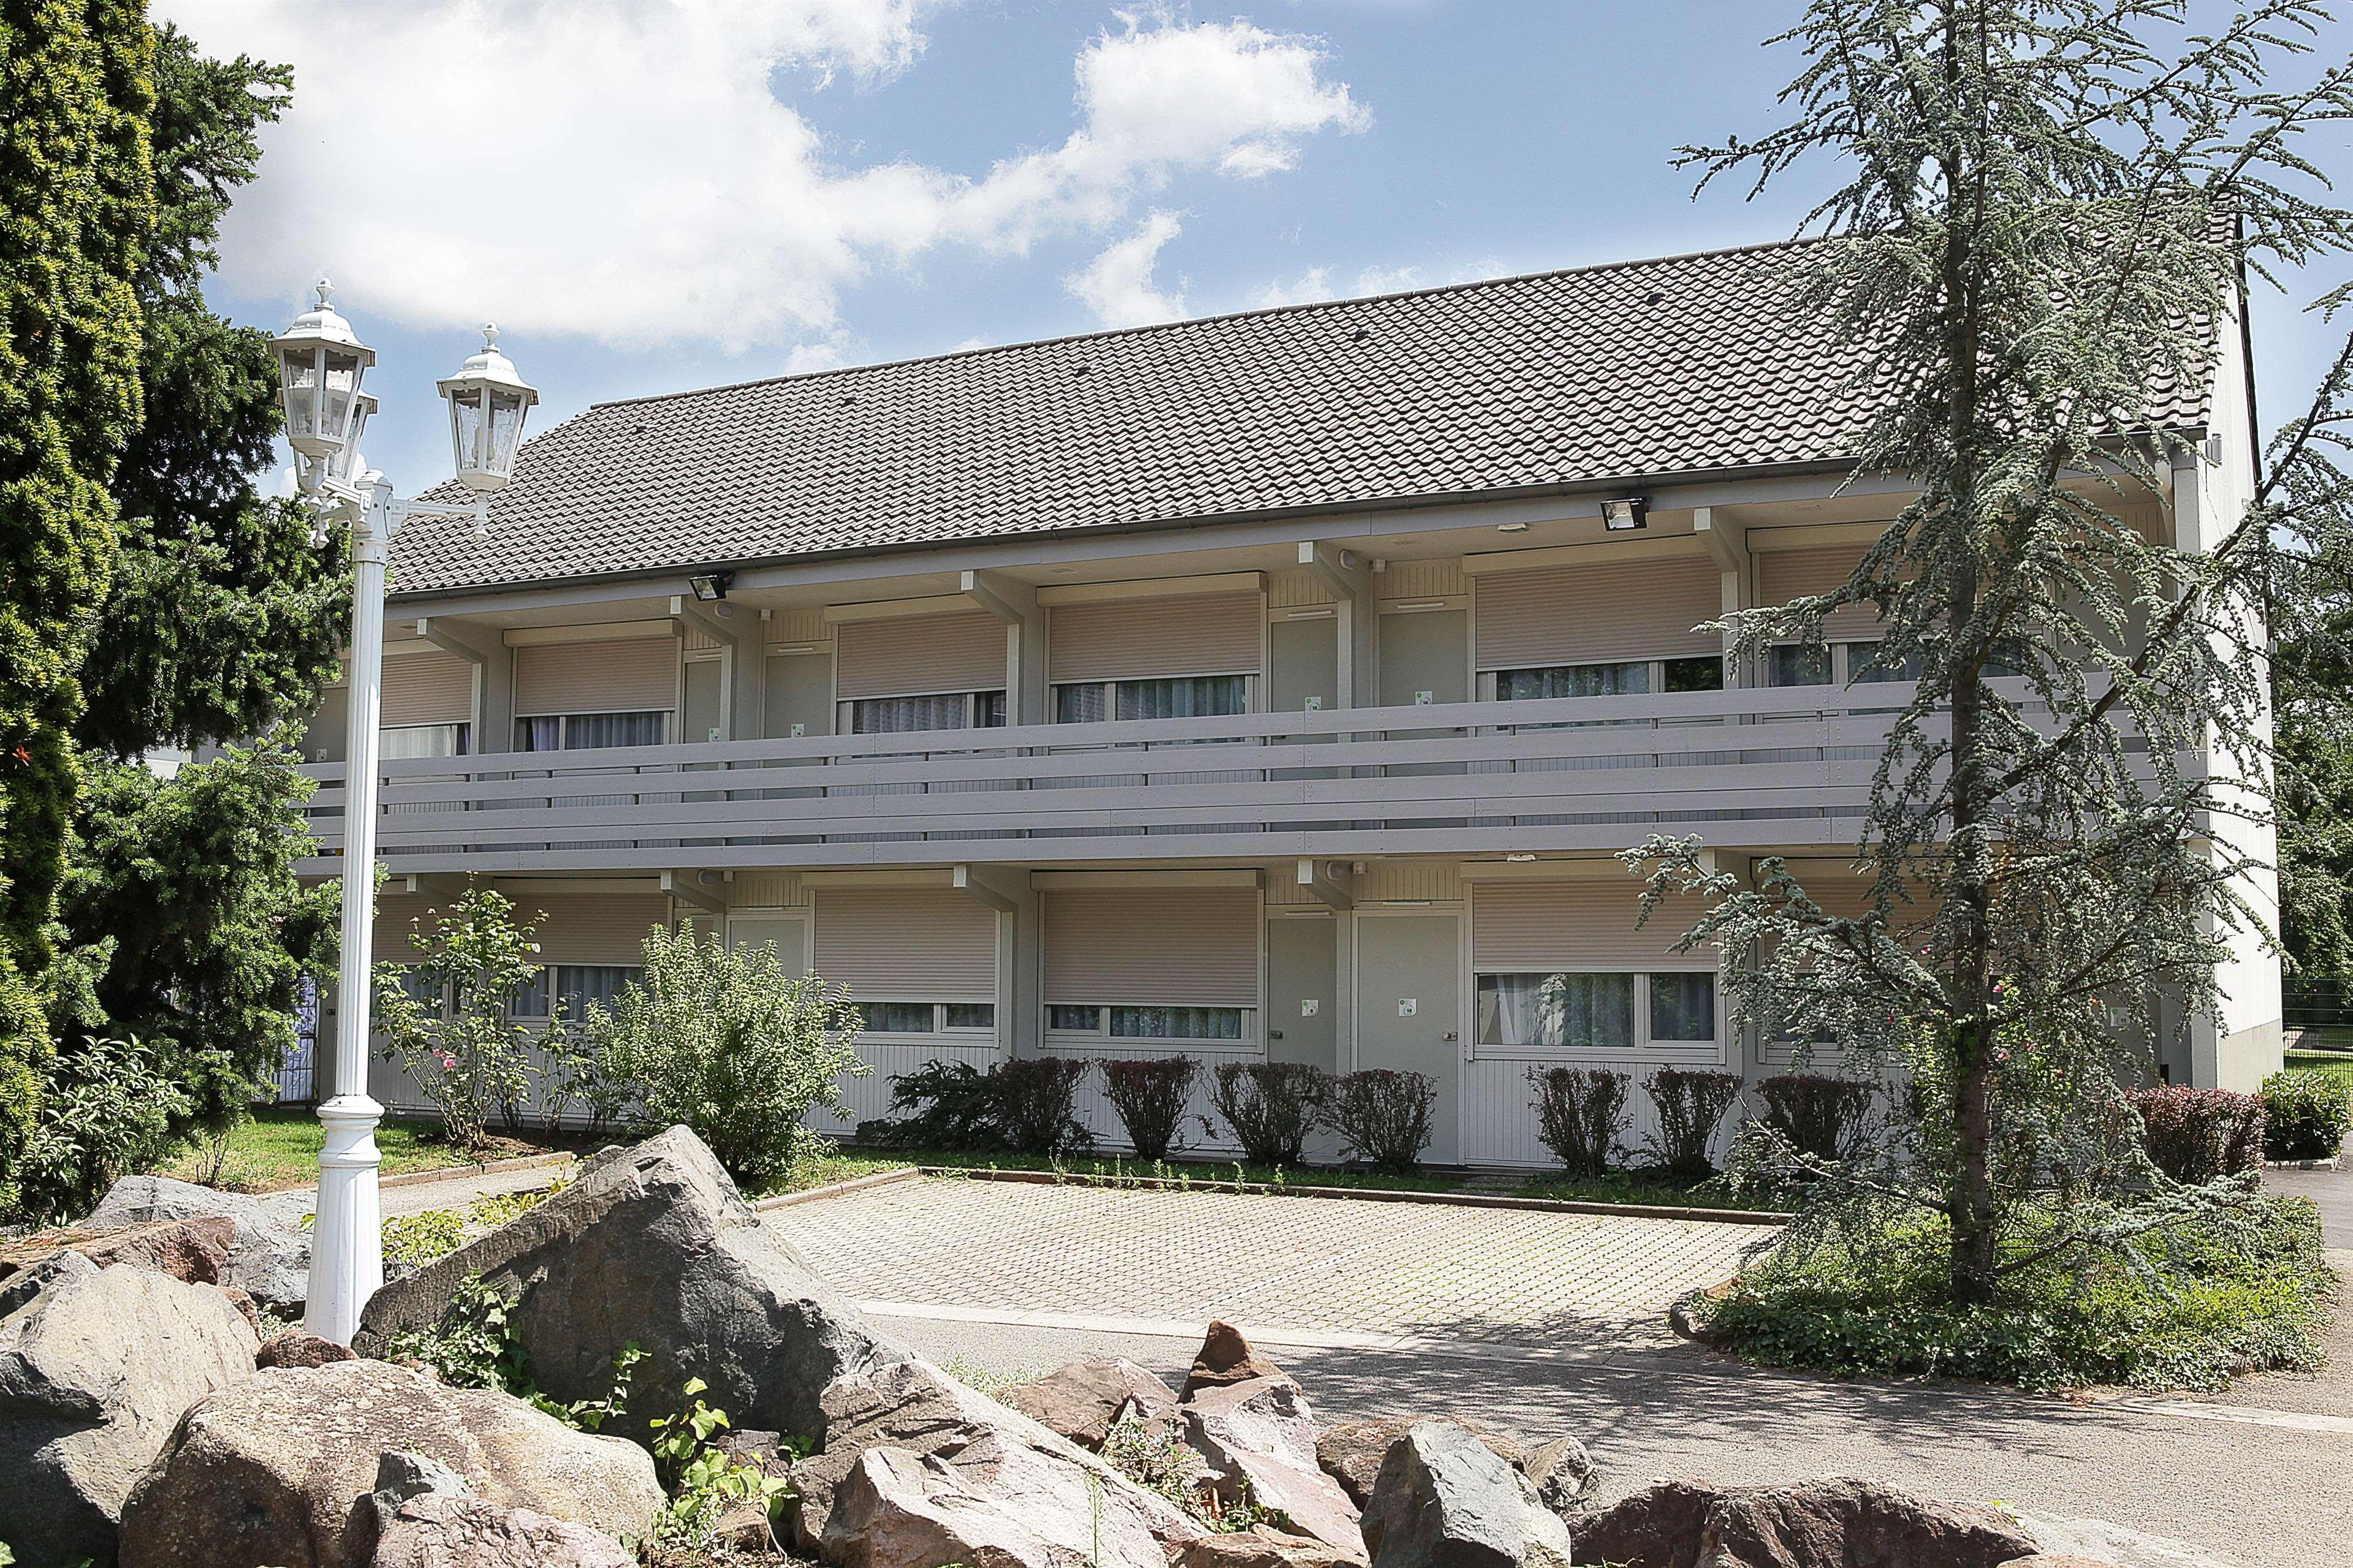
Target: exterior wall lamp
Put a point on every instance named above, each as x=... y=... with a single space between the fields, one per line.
x=710 y=587
x=1626 y=513
x=320 y=364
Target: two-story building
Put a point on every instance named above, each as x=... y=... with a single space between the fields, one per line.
x=1271 y=686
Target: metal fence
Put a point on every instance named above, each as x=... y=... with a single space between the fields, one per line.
x=2320 y=1002
x=297 y=1075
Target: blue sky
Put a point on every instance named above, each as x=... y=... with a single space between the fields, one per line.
x=653 y=196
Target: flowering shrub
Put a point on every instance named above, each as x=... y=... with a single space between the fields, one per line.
x=1150 y=1094
x=2195 y=1135
x=1382 y=1117
x=1690 y=1104
x=2306 y=1115
x=1270 y=1105
x=1580 y=1114
x=445 y=1020
x=1825 y=1117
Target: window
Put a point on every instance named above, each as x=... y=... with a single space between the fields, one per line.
x=1702 y=673
x=1865 y=668
x=926 y=1017
x=1838 y=664
x=427 y=993
x=424 y=740
x=1179 y=697
x=1130 y=1022
x=574 y=985
x=590 y=731
x=1797 y=664
x=906 y=715
x=1579 y=1012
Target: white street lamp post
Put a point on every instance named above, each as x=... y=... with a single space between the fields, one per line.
x=320 y=366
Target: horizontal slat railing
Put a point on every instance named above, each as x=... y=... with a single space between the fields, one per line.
x=1792 y=765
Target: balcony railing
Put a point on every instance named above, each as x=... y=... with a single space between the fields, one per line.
x=1789 y=766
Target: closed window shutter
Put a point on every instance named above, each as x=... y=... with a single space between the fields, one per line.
x=398 y=917
x=918 y=655
x=1542 y=927
x=1598 y=614
x=1153 y=947
x=427 y=688
x=632 y=675
x=594 y=931
x=1784 y=575
x=910 y=944
x=1140 y=639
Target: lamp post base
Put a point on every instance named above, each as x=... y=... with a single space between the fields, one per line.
x=347 y=1246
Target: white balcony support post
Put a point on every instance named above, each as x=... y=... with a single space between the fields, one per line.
x=1329 y=883
x=1350 y=578
x=1727 y=543
x=1016 y=604
x=347 y=1235
x=687 y=888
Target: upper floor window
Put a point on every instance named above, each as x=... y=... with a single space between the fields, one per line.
x=1177 y=697
x=424 y=740
x=1842 y=664
x=1624 y=678
x=938 y=710
x=590 y=731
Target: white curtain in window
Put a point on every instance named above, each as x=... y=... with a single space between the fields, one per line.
x=421 y=741
x=1572 y=680
x=1081 y=704
x=590 y=731
x=1192 y=697
x=1177 y=1023
x=904 y=715
x=544 y=734
x=579 y=984
x=1579 y=1012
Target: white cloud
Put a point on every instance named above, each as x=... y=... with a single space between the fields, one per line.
x=1309 y=287
x=806 y=357
x=626 y=172
x=1389 y=280
x=1118 y=286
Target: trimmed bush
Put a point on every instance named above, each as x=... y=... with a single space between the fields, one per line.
x=2195 y=1135
x=1383 y=1117
x=1270 y=1105
x=1580 y=1115
x=2306 y=1115
x=1690 y=1104
x=1150 y=1094
x=1034 y=1095
x=1023 y=1105
x=1825 y=1117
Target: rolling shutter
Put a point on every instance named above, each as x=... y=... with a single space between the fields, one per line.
x=1784 y=575
x=1597 y=614
x=918 y=656
x=1154 y=947
x=398 y=917
x=1141 y=639
x=434 y=687
x=593 y=930
x=907 y=945
x=632 y=675
x=1539 y=927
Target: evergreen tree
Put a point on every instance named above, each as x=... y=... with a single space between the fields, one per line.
x=76 y=209
x=2049 y=208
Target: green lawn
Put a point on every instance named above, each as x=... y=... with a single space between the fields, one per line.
x=279 y=1148
x=847 y=1163
x=1639 y=1187
x=2338 y=1064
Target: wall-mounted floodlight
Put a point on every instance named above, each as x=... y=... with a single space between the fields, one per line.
x=1626 y=513
x=710 y=587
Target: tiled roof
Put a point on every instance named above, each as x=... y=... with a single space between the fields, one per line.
x=1636 y=370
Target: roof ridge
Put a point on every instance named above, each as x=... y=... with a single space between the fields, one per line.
x=1297 y=307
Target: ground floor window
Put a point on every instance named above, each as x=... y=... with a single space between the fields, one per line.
x=926 y=1017
x=936 y=711
x=574 y=985
x=1596 y=1010
x=590 y=731
x=1181 y=697
x=1134 y=1023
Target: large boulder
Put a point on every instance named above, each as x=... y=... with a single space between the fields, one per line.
x=1226 y=1356
x=96 y=1365
x=1085 y=1400
x=993 y=1502
x=1262 y=1546
x=281 y=1467
x=1351 y=1452
x=438 y=1531
x=1259 y=1436
x=269 y=1255
x=1562 y=1470
x=1444 y=1499
x=987 y=1453
x=1835 y=1523
x=652 y=1246
x=193 y=1250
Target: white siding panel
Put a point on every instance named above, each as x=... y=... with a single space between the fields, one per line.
x=1141 y=639
x=1541 y=926
x=869 y=1095
x=1095 y=1112
x=1593 y=614
x=1785 y=575
x=918 y=655
x=1171 y=947
x=626 y=675
x=427 y=688
x=1499 y=1118
x=907 y=945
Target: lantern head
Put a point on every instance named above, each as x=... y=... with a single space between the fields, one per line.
x=321 y=362
x=488 y=402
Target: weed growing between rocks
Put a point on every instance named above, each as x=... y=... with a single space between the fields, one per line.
x=1155 y=1455
x=419 y=1238
x=2189 y=1305
x=706 y=1485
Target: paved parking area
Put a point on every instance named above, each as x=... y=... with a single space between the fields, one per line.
x=1339 y=1271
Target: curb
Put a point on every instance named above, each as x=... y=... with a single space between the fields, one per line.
x=1366 y=1194
x=836 y=1189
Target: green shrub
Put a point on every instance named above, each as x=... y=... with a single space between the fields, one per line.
x=471 y=1060
x=1023 y=1105
x=724 y=1041
x=1270 y=1105
x=1382 y=1117
x=1035 y=1096
x=1826 y=1118
x=2196 y=1303
x=1150 y=1093
x=105 y=1112
x=1689 y=1104
x=1580 y=1115
x=2306 y=1115
x=2198 y=1135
